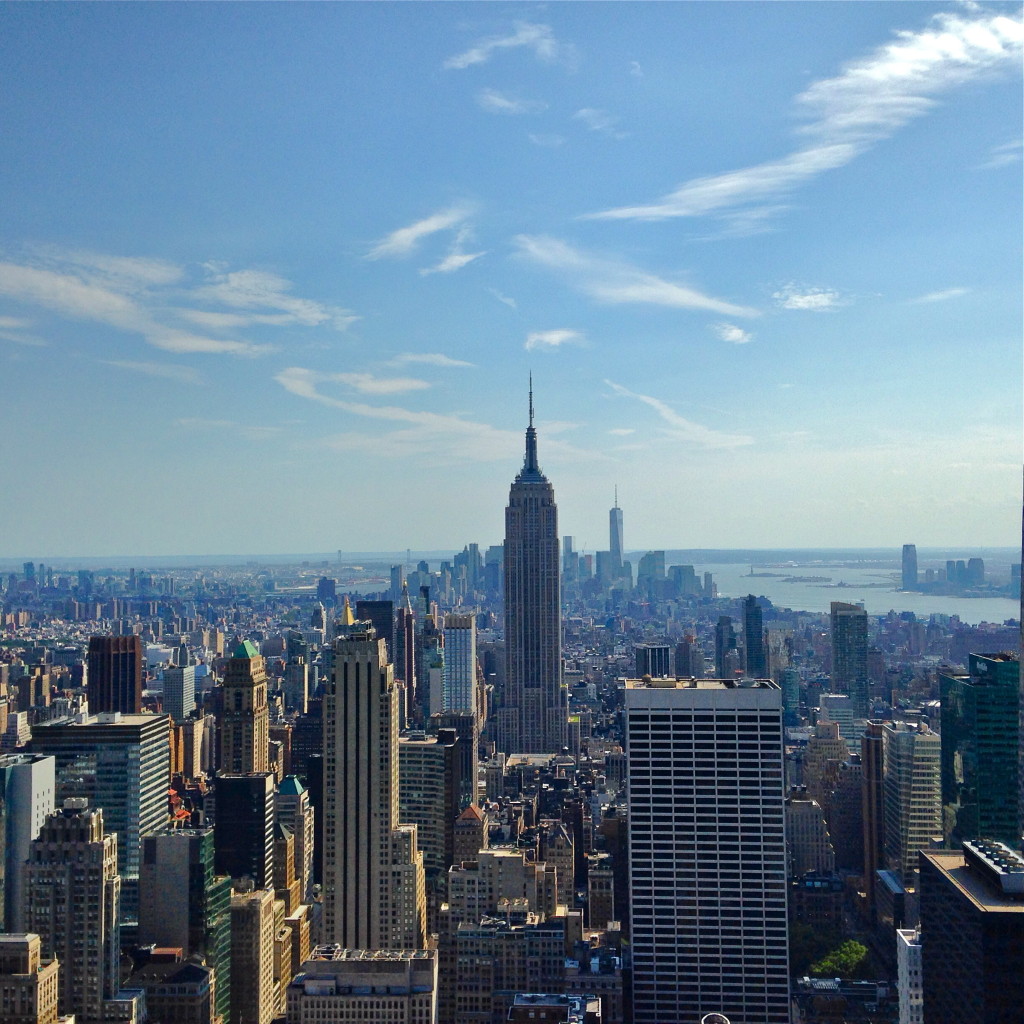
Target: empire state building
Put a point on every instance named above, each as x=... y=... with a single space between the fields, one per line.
x=534 y=716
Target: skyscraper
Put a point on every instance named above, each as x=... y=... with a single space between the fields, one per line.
x=182 y=903
x=980 y=728
x=755 y=650
x=115 y=674
x=911 y=794
x=707 y=853
x=120 y=763
x=459 y=663
x=245 y=729
x=73 y=899
x=615 y=531
x=534 y=718
x=26 y=800
x=850 y=654
x=909 y=567
x=374 y=894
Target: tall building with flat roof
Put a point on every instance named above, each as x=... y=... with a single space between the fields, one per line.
x=27 y=784
x=121 y=764
x=535 y=713
x=184 y=904
x=459 y=692
x=115 y=666
x=972 y=934
x=243 y=811
x=707 y=850
x=245 y=723
x=373 y=893
x=908 y=574
x=73 y=898
x=850 y=654
x=911 y=795
x=755 y=650
x=980 y=736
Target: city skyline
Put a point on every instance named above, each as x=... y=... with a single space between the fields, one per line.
x=764 y=251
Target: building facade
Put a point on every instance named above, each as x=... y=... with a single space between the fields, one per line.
x=373 y=893
x=707 y=850
x=115 y=665
x=245 y=725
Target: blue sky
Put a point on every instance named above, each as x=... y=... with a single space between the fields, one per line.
x=273 y=276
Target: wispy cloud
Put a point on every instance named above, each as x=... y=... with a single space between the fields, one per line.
x=680 y=428
x=405 y=240
x=368 y=384
x=1002 y=156
x=941 y=296
x=247 y=431
x=553 y=339
x=732 y=333
x=16 y=329
x=600 y=121
x=538 y=38
x=74 y=295
x=869 y=100
x=253 y=290
x=506 y=299
x=427 y=359
x=418 y=432
x=815 y=300
x=616 y=282
x=164 y=371
x=495 y=102
x=622 y=431
x=549 y=140
x=457 y=257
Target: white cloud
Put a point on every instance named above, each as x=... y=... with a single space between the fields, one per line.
x=622 y=431
x=551 y=141
x=428 y=359
x=552 y=339
x=249 y=432
x=732 y=333
x=538 y=38
x=941 y=296
x=73 y=296
x=165 y=371
x=815 y=300
x=615 y=282
x=405 y=240
x=1002 y=156
x=495 y=102
x=682 y=429
x=456 y=258
x=600 y=121
x=368 y=384
x=258 y=289
x=507 y=300
x=421 y=432
x=869 y=100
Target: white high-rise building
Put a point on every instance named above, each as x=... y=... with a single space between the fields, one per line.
x=707 y=851
x=911 y=795
x=27 y=787
x=374 y=896
x=459 y=663
x=909 y=983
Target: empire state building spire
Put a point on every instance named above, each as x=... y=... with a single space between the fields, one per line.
x=534 y=716
x=531 y=469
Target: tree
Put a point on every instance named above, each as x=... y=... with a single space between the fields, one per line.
x=844 y=962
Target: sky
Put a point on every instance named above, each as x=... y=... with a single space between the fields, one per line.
x=273 y=277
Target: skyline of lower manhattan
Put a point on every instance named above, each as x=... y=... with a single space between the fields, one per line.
x=760 y=256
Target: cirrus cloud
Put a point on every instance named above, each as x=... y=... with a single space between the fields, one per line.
x=553 y=339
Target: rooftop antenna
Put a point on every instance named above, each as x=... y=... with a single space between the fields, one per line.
x=616 y=495
x=531 y=398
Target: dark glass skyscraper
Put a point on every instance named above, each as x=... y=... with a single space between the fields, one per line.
x=754 y=648
x=534 y=716
x=850 y=654
x=115 y=674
